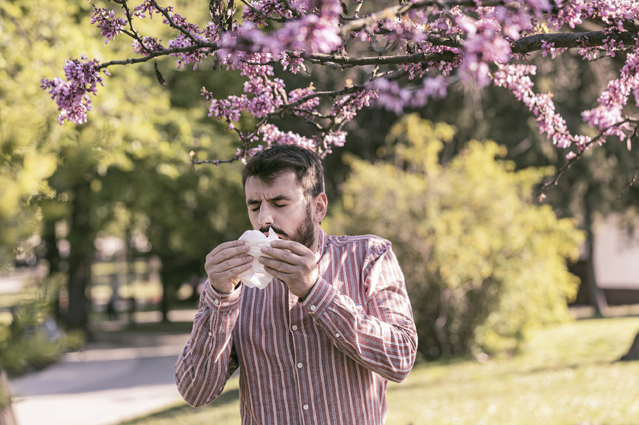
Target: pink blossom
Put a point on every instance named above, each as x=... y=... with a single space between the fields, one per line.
x=515 y=78
x=72 y=96
x=108 y=24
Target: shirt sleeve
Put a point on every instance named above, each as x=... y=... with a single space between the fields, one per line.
x=382 y=339
x=208 y=360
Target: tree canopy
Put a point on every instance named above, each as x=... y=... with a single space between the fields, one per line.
x=394 y=56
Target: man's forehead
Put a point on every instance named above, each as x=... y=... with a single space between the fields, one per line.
x=285 y=184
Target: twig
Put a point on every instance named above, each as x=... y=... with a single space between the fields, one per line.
x=630 y=183
x=288 y=6
x=172 y=23
x=262 y=14
x=572 y=160
x=380 y=60
x=569 y=40
x=157 y=53
x=394 y=11
x=212 y=161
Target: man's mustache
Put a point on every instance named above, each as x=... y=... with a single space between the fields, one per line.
x=280 y=232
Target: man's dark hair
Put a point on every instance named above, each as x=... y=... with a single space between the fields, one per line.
x=269 y=164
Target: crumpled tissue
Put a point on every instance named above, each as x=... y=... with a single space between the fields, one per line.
x=256 y=276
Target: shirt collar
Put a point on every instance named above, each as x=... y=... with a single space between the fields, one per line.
x=321 y=244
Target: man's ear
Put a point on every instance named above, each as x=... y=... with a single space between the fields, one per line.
x=320 y=204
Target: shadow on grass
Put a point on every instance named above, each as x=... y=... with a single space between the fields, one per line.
x=227 y=397
x=523 y=371
x=160 y=327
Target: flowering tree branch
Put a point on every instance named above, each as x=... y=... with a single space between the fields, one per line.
x=573 y=158
x=423 y=47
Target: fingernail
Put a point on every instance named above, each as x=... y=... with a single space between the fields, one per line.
x=249 y=258
x=246 y=248
x=261 y=260
x=264 y=249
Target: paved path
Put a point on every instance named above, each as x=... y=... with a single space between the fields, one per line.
x=107 y=383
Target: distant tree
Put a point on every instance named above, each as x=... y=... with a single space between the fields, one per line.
x=67 y=184
x=483 y=263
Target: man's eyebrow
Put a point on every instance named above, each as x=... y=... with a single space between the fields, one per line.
x=279 y=198
x=273 y=199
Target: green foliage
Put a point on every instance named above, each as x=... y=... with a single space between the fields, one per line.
x=483 y=263
x=26 y=344
x=125 y=172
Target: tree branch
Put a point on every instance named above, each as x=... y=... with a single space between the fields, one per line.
x=380 y=60
x=172 y=23
x=572 y=160
x=569 y=40
x=157 y=53
x=630 y=183
x=392 y=12
x=262 y=14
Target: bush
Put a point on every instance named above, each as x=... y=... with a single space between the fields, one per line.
x=32 y=340
x=483 y=263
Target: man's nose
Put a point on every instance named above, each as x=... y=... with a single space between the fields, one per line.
x=265 y=218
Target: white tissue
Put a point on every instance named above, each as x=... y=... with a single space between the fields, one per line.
x=256 y=276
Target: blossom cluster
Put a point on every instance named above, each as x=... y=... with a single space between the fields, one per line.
x=109 y=25
x=607 y=117
x=516 y=78
x=72 y=95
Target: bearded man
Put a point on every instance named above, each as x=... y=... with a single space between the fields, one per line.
x=319 y=344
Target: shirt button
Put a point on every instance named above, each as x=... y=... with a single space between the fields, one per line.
x=210 y=334
x=305 y=407
x=299 y=365
x=337 y=335
x=313 y=308
x=216 y=301
x=294 y=327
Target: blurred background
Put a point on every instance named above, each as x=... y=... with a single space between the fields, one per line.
x=523 y=308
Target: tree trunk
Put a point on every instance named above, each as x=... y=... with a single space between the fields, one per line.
x=633 y=352
x=81 y=235
x=166 y=290
x=597 y=295
x=79 y=275
x=6 y=412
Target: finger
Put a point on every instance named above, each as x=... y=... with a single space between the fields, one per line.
x=280 y=254
x=277 y=265
x=234 y=272
x=278 y=274
x=230 y=253
x=294 y=247
x=225 y=245
x=231 y=263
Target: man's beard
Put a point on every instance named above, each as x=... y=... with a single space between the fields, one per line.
x=304 y=234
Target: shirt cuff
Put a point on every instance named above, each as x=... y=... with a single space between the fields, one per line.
x=219 y=301
x=319 y=298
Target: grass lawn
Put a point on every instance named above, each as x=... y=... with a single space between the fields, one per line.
x=566 y=375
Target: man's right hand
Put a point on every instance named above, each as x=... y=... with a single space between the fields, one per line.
x=225 y=262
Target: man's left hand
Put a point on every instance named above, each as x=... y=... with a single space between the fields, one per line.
x=292 y=263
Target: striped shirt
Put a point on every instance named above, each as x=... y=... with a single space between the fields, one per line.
x=324 y=360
